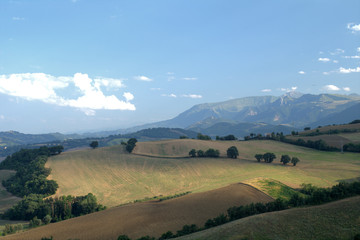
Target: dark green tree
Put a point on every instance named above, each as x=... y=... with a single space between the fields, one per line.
x=269 y=157
x=285 y=159
x=259 y=157
x=232 y=152
x=94 y=144
x=295 y=160
x=200 y=153
x=212 y=153
x=192 y=153
x=123 y=237
x=131 y=144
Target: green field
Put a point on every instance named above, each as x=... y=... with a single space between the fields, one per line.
x=337 y=220
x=116 y=177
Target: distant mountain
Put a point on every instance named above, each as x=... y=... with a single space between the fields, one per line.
x=240 y=130
x=292 y=109
x=12 y=138
x=345 y=116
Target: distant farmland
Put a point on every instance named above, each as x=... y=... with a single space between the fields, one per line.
x=116 y=177
x=149 y=218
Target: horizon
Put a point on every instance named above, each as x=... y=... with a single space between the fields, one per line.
x=74 y=66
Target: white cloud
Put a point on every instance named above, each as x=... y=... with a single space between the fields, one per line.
x=190 y=78
x=335 y=61
x=353 y=27
x=358 y=49
x=331 y=88
x=128 y=96
x=155 y=89
x=2 y=117
x=169 y=95
x=289 y=89
x=302 y=72
x=18 y=18
x=192 y=96
x=353 y=57
x=109 y=83
x=349 y=70
x=323 y=59
x=266 y=90
x=42 y=87
x=143 y=78
x=337 y=51
x=347 y=89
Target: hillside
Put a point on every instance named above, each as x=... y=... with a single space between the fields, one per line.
x=336 y=220
x=117 y=177
x=6 y=198
x=149 y=218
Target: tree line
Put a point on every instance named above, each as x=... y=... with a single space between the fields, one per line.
x=269 y=158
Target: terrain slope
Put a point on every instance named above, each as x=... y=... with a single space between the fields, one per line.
x=336 y=220
x=149 y=218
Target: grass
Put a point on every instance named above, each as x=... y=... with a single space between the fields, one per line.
x=336 y=220
x=116 y=177
x=273 y=188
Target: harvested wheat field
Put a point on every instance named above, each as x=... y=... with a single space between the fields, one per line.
x=149 y=218
x=336 y=220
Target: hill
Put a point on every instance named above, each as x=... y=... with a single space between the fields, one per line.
x=6 y=198
x=149 y=218
x=336 y=220
x=163 y=168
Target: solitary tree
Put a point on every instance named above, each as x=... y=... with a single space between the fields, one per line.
x=295 y=160
x=259 y=157
x=94 y=144
x=131 y=144
x=285 y=159
x=269 y=157
x=232 y=152
x=212 y=153
x=192 y=153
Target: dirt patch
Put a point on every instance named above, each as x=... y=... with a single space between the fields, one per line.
x=150 y=218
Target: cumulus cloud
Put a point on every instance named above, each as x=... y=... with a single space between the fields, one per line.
x=301 y=72
x=331 y=88
x=353 y=27
x=347 y=89
x=43 y=87
x=143 y=78
x=349 y=70
x=353 y=57
x=323 y=59
x=266 y=90
x=192 y=96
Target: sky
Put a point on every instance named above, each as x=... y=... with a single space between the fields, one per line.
x=88 y=65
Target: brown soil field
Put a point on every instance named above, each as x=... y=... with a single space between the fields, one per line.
x=149 y=218
x=336 y=220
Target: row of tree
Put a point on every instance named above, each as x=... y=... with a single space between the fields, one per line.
x=52 y=209
x=214 y=153
x=269 y=157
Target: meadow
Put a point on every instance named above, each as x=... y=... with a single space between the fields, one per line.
x=162 y=168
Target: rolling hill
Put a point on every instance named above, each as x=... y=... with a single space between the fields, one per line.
x=163 y=168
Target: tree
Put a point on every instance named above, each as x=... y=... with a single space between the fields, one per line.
x=212 y=153
x=131 y=144
x=94 y=144
x=295 y=160
x=123 y=237
x=232 y=152
x=269 y=157
x=285 y=159
x=259 y=157
x=192 y=153
x=200 y=153
x=203 y=137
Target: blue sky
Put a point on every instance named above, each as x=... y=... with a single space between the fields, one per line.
x=81 y=65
